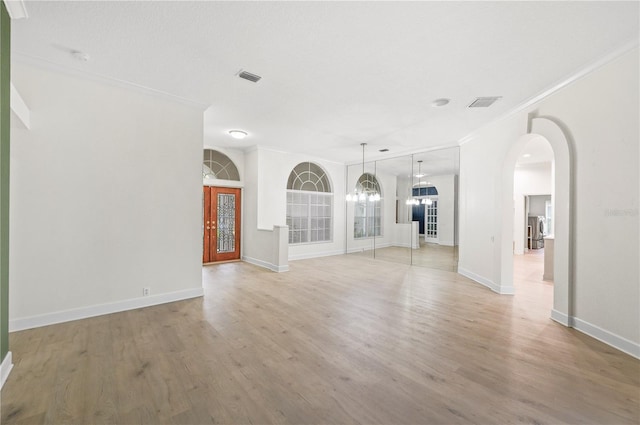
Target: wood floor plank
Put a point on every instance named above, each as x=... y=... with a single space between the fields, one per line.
x=338 y=340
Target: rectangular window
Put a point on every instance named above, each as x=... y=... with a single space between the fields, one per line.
x=367 y=219
x=309 y=216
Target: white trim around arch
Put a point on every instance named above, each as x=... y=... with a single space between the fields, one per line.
x=548 y=128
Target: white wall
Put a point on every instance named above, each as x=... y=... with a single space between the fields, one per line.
x=446 y=208
x=267 y=174
x=532 y=179
x=606 y=143
x=404 y=186
x=481 y=162
x=256 y=245
x=538 y=204
x=105 y=198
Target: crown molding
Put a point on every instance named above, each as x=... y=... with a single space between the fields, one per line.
x=17 y=9
x=19 y=107
x=51 y=66
x=586 y=70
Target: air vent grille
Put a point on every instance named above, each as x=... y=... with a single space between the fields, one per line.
x=249 y=76
x=484 y=102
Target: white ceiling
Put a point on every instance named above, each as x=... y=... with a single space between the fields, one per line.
x=334 y=74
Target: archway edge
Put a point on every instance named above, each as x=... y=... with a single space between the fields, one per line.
x=552 y=130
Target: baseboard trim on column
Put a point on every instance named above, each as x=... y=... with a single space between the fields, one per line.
x=5 y=368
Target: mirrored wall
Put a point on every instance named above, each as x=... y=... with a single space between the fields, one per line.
x=405 y=209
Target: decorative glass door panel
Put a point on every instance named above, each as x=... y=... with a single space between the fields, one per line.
x=226 y=236
x=221 y=226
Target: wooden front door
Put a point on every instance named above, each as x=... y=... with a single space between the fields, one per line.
x=221 y=225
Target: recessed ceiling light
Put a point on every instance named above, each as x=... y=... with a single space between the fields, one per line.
x=420 y=175
x=238 y=134
x=526 y=155
x=384 y=150
x=440 y=102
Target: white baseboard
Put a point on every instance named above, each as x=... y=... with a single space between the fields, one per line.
x=357 y=249
x=266 y=265
x=403 y=245
x=609 y=338
x=307 y=256
x=5 y=368
x=100 y=309
x=561 y=318
x=502 y=290
x=602 y=335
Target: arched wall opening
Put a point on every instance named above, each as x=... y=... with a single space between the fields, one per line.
x=562 y=197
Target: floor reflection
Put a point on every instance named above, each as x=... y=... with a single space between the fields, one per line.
x=429 y=255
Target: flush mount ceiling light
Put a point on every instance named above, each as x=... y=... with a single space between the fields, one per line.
x=238 y=134
x=440 y=102
x=526 y=155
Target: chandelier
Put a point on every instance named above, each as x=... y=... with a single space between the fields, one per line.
x=366 y=193
x=419 y=200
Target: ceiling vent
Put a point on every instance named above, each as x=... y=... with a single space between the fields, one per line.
x=249 y=76
x=484 y=102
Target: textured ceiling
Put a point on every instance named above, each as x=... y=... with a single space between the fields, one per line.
x=335 y=74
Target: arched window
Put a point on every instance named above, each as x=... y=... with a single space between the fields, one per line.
x=309 y=204
x=367 y=213
x=217 y=165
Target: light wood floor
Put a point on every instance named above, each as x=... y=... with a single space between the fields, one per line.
x=429 y=255
x=336 y=340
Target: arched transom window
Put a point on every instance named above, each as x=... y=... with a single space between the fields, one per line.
x=217 y=165
x=309 y=204
x=309 y=177
x=367 y=214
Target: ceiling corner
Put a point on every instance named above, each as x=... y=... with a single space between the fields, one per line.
x=17 y=9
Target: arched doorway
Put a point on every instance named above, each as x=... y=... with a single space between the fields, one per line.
x=562 y=193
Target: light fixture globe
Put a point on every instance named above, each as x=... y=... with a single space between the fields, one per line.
x=238 y=134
